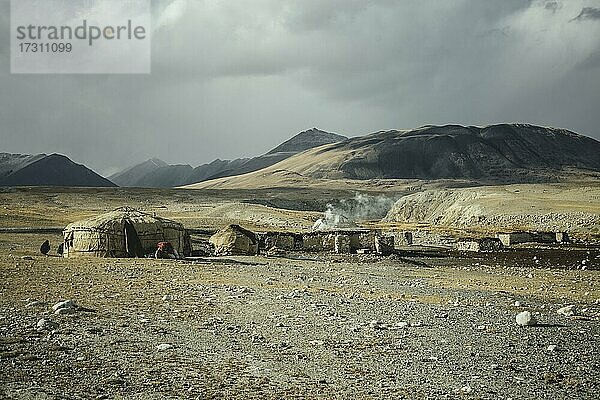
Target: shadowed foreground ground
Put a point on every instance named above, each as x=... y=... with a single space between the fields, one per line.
x=353 y=327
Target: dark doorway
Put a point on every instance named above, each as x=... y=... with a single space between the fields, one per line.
x=133 y=245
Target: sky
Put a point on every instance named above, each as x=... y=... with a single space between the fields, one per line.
x=234 y=78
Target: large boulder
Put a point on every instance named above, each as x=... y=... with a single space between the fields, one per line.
x=235 y=240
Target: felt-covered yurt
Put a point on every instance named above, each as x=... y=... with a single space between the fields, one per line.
x=124 y=232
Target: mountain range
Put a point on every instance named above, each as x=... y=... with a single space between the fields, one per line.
x=157 y=173
x=46 y=170
x=502 y=153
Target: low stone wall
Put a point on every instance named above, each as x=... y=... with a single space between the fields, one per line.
x=483 y=244
x=279 y=240
x=403 y=238
x=341 y=242
x=512 y=238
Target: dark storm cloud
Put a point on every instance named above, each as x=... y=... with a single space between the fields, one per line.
x=234 y=78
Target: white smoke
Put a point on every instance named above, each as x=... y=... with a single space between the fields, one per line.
x=347 y=212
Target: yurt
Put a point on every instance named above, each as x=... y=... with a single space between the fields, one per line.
x=124 y=232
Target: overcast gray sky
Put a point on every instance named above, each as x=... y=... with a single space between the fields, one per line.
x=234 y=78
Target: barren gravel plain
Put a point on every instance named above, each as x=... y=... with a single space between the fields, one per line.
x=416 y=325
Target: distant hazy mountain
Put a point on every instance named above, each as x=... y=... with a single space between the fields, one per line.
x=212 y=169
x=167 y=176
x=46 y=170
x=10 y=163
x=495 y=153
x=157 y=173
x=137 y=172
x=152 y=173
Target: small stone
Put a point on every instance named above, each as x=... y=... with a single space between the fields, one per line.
x=466 y=389
x=402 y=324
x=375 y=324
x=517 y=303
x=65 y=311
x=27 y=258
x=64 y=304
x=552 y=347
x=567 y=311
x=164 y=347
x=525 y=318
x=46 y=325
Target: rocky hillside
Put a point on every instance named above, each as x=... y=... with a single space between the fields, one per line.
x=157 y=173
x=505 y=153
x=47 y=170
x=554 y=207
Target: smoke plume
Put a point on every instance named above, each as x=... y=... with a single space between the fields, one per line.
x=347 y=212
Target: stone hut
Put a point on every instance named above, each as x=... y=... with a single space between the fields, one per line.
x=234 y=240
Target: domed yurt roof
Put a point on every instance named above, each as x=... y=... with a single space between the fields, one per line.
x=113 y=220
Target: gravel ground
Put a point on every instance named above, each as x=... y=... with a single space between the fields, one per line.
x=309 y=327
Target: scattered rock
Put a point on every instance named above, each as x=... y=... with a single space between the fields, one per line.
x=466 y=389
x=27 y=258
x=257 y=338
x=517 y=303
x=46 y=325
x=552 y=347
x=65 y=311
x=375 y=324
x=64 y=304
x=567 y=311
x=164 y=347
x=525 y=318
